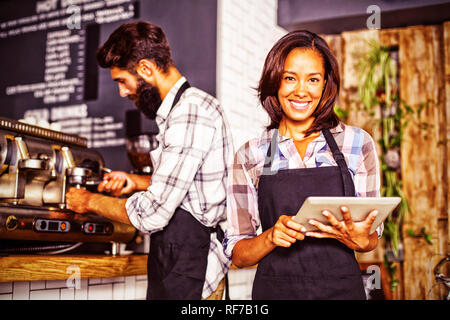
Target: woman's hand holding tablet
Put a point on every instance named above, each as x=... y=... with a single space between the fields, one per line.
x=355 y=235
x=351 y=220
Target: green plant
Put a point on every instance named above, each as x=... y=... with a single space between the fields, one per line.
x=341 y=113
x=423 y=234
x=379 y=93
x=392 y=268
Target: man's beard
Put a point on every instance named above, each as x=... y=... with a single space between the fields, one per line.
x=147 y=98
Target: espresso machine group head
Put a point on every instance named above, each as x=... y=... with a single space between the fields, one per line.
x=38 y=165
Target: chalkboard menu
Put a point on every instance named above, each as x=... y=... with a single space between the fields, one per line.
x=50 y=75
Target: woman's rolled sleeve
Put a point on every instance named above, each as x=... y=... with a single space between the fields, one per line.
x=242 y=204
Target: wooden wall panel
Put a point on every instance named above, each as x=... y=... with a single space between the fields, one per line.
x=424 y=68
x=446 y=130
x=422 y=80
x=445 y=216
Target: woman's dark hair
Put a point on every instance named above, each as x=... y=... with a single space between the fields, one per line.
x=273 y=71
x=134 y=41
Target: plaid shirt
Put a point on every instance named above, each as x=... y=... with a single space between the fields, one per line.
x=356 y=145
x=190 y=170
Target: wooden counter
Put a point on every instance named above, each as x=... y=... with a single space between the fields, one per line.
x=61 y=267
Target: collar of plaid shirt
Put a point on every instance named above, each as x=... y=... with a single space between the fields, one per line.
x=166 y=105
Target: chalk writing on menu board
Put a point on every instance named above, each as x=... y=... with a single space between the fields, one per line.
x=61 y=94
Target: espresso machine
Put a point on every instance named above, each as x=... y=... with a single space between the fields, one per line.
x=37 y=167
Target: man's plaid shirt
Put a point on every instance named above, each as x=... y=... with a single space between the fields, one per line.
x=190 y=170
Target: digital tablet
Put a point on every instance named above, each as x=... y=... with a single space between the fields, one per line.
x=359 y=208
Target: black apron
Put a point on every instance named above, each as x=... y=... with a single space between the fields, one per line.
x=178 y=254
x=312 y=268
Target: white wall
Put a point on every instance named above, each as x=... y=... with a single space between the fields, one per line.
x=247 y=30
x=120 y=288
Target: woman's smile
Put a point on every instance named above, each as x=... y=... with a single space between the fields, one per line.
x=300 y=105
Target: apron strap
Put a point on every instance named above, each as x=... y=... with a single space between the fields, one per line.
x=349 y=187
x=268 y=160
x=179 y=93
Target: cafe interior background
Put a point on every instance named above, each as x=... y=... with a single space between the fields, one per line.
x=394 y=59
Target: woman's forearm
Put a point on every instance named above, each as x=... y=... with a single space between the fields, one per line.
x=248 y=252
x=285 y=232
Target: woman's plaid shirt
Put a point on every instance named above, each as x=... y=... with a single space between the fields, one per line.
x=356 y=145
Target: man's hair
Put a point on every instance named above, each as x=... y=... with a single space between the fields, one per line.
x=272 y=73
x=132 y=42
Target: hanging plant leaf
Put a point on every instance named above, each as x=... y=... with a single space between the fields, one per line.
x=394 y=284
x=341 y=113
x=422 y=234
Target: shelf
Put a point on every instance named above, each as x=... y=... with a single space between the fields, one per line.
x=61 y=267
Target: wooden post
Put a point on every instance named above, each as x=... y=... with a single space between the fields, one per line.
x=423 y=155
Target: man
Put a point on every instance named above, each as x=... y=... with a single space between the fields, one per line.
x=183 y=202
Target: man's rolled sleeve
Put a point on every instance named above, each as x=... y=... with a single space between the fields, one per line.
x=139 y=209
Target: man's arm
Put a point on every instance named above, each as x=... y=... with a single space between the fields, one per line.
x=118 y=183
x=141 y=181
x=83 y=201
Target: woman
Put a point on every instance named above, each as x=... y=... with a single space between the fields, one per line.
x=305 y=151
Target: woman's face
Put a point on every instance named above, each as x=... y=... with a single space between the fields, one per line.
x=301 y=85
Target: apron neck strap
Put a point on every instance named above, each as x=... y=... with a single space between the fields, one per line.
x=337 y=154
x=349 y=187
x=179 y=93
x=268 y=160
